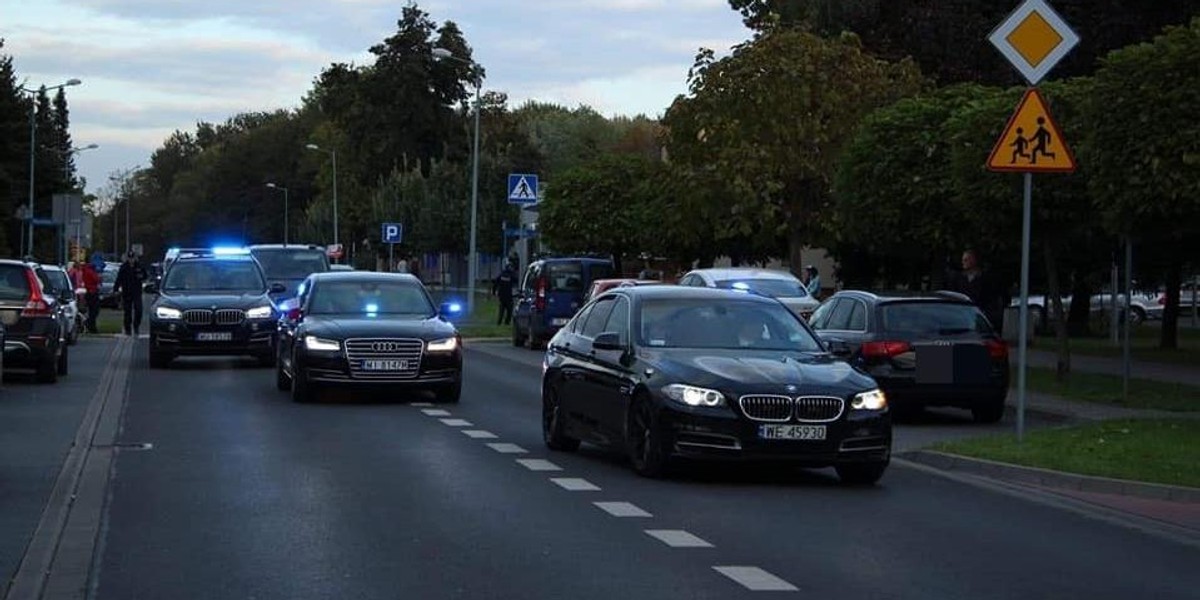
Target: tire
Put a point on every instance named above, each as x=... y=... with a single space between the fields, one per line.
x=990 y=411
x=449 y=393
x=553 y=427
x=645 y=441
x=64 y=360
x=1137 y=315
x=518 y=340
x=302 y=389
x=47 y=370
x=866 y=473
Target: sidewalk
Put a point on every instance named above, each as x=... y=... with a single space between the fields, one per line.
x=1091 y=411
x=1140 y=369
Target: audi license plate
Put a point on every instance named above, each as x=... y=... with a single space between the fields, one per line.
x=791 y=432
x=214 y=336
x=385 y=365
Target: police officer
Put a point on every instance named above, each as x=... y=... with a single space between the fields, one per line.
x=502 y=286
x=129 y=285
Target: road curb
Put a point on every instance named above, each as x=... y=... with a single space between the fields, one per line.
x=1052 y=479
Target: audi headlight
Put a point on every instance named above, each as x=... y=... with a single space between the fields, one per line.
x=312 y=342
x=259 y=312
x=693 y=396
x=166 y=312
x=444 y=345
x=872 y=400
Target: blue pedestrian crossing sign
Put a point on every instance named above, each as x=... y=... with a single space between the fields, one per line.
x=393 y=233
x=522 y=188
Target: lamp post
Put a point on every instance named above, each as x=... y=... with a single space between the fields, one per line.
x=444 y=54
x=285 y=210
x=33 y=148
x=333 y=156
x=128 y=201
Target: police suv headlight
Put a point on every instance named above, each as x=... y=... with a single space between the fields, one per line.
x=870 y=400
x=693 y=396
x=259 y=312
x=312 y=342
x=443 y=345
x=166 y=312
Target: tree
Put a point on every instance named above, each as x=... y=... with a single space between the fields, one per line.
x=1143 y=122
x=14 y=154
x=769 y=122
x=61 y=140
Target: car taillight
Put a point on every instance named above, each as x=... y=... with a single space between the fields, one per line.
x=884 y=349
x=1162 y=300
x=996 y=349
x=539 y=299
x=36 y=305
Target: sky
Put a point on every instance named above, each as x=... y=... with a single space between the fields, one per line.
x=150 y=67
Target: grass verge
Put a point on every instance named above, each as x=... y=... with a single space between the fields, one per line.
x=1143 y=345
x=481 y=324
x=1153 y=451
x=1107 y=389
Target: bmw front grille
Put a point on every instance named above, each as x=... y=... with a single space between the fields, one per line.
x=780 y=409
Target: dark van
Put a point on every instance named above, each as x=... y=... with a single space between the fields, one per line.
x=551 y=291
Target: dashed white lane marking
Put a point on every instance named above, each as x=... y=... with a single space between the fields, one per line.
x=457 y=422
x=756 y=579
x=574 y=484
x=678 y=538
x=621 y=509
x=479 y=434
x=436 y=412
x=538 y=464
x=506 y=448
x=421 y=404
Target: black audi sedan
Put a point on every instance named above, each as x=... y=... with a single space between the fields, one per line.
x=664 y=371
x=362 y=329
x=212 y=302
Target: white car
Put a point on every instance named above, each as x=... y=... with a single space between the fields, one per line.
x=781 y=285
x=58 y=284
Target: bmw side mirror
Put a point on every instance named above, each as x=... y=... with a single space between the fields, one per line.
x=608 y=340
x=150 y=288
x=277 y=288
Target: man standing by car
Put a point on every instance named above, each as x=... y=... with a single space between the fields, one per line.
x=980 y=287
x=129 y=286
x=502 y=286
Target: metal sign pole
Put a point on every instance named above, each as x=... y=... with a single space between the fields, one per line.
x=1023 y=334
x=1127 y=317
x=391 y=258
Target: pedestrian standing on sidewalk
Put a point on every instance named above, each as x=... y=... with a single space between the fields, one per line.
x=129 y=285
x=91 y=287
x=502 y=288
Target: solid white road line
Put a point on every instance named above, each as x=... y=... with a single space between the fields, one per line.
x=756 y=579
x=457 y=422
x=574 y=484
x=678 y=538
x=479 y=434
x=538 y=464
x=436 y=412
x=621 y=509
x=506 y=448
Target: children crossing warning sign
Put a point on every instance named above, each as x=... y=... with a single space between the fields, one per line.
x=1031 y=142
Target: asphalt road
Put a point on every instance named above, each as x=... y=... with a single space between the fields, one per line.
x=247 y=495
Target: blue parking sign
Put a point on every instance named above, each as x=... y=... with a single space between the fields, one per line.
x=393 y=233
x=522 y=188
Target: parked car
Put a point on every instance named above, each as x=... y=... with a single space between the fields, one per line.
x=367 y=330
x=664 y=371
x=35 y=331
x=108 y=280
x=1142 y=307
x=551 y=291
x=58 y=283
x=924 y=350
x=600 y=286
x=781 y=285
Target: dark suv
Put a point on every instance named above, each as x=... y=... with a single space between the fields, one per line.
x=934 y=349
x=213 y=303
x=551 y=292
x=289 y=265
x=33 y=321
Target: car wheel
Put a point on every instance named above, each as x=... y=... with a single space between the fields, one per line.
x=553 y=424
x=47 y=370
x=64 y=361
x=648 y=449
x=1137 y=316
x=518 y=340
x=449 y=393
x=990 y=411
x=302 y=389
x=866 y=473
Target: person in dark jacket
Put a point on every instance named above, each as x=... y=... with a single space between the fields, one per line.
x=502 y=287
x=129 y=286
x=980 y=287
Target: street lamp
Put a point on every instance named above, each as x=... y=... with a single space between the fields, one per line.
x=333 y=155
x=33 y=147
x=444 y=54
x=285 y=210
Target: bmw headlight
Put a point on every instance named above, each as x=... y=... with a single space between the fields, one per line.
x=166 y=312
x=312 y=342
x=871 y=400
x=444 y=345
x=259 y=312
x=693 y=396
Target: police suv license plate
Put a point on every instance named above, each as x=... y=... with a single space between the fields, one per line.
x=214 y=336
x=791 y=432
x=385 y=365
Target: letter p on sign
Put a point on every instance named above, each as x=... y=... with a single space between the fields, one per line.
x=392 y=233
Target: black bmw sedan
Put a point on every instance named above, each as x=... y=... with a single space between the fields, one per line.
x=664 y=371
x=362 y=329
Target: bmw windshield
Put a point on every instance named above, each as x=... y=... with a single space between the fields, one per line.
x=216 y=275
x=703 y=324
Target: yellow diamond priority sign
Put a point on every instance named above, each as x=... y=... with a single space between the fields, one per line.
x=1034 y=38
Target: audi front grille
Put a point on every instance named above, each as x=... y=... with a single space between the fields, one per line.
x=409 y=350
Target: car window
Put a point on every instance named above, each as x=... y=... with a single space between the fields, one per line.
x=370 y=297
x=597 y=318
x=933 y=318
x=13 y=283
x=840 y=318
x=215 y=275
x=576 y=325
x=732 y=324
x=599 y=271
x=565 y=277
x=774 y=288
x=530 y=276
x=286 y=263
x=821 y=316
x=618 y=320
x=858 y=316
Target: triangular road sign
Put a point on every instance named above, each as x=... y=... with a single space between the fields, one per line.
x=1032 y=142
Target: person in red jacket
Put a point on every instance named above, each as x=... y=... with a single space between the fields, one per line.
x=91 y=283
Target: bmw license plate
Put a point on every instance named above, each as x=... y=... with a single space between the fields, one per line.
x=385 y=365
x=214 y=336
x=791 y=432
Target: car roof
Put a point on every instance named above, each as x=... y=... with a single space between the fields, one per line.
x=667 y=291
x=588 y=259
x=14 y=261
x=746 y=272
x=363 y=275
x=894 y=296
x=285 y=247
x=52 y=267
